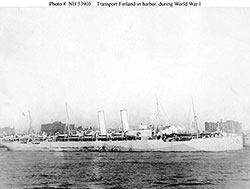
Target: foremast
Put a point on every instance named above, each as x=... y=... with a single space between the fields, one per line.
x=195 y=119
x=158 y=112
x=158 y=121
x=67 y=121
x=30 y=130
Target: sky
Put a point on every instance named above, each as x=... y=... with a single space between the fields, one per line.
x=121 y=58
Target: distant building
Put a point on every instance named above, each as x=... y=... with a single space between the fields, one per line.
x=7 y=131
x=211 y=126
x=55 y=127
x=247 y=139
x=228 y=126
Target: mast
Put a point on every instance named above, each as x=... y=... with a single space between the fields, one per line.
x=195 y=119
x=67 y=122
x=158 y=112
x=30 y=130
x=157 y=116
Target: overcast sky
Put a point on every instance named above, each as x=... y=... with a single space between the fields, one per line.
x=111 y=59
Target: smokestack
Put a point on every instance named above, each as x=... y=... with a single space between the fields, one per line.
x=124 y=119
x=101 y=122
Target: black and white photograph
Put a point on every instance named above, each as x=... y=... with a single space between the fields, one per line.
x=121 y=96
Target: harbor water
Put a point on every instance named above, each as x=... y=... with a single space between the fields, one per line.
x=125 y=170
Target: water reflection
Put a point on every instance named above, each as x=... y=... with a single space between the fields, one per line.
x=124 y=170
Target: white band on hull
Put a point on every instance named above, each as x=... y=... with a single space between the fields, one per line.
x=234 y=142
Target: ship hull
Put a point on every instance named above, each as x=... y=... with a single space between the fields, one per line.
x=225 y=143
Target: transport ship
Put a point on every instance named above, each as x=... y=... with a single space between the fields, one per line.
x=144 y=139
